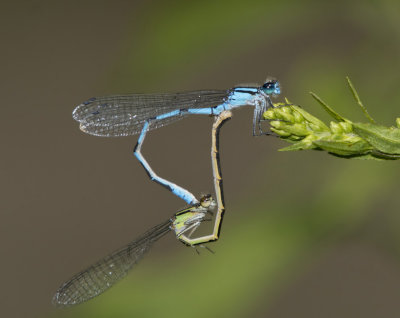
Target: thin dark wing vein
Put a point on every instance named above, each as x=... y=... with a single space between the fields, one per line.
x=105 y=273
x=123 y=115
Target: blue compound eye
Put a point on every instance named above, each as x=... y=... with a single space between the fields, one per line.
x=271 y=88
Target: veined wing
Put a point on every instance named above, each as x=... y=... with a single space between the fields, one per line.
x=124 y=115
x=105 y=273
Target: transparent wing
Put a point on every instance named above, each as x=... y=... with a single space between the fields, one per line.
x=106 y=272
x=123 y=115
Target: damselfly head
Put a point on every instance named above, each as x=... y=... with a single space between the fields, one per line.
x=207 y=201
x=271 y=87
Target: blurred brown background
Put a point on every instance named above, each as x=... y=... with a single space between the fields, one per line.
x=305 y=234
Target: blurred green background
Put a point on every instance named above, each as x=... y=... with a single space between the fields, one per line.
x=305 y=234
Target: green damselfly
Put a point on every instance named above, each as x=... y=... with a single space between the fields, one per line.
x=97 y=278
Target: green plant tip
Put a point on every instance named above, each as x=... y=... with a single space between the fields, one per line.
x=343 y=138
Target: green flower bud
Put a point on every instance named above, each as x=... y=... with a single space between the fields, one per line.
x=346 y=127
x=298 y=118
x=279 y=132
x=269 y=114
x=336 y=128
x=284 y=114
x=276 y=124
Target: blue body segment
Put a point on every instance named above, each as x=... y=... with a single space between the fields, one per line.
x=180 y=192
x=168 y=115
x=124 y=115
x=241 y=96
x=174 y=188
